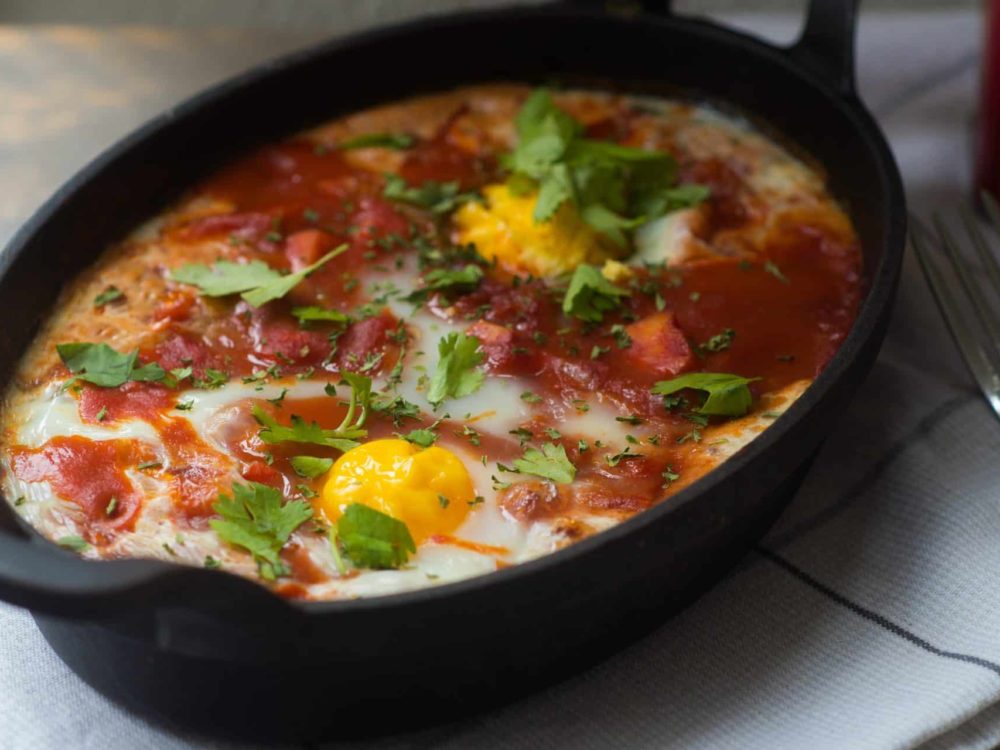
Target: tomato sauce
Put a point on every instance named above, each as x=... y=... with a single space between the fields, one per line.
x=90 y=473
x=777 y=316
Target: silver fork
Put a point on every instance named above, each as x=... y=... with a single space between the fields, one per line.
x=977 y=334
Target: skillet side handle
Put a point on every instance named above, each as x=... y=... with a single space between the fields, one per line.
x=826 y=45
x=56 y=582
x=50 y=581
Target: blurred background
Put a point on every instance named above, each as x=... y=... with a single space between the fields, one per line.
x=76 y=75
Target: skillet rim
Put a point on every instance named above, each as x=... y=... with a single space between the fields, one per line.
x=879 y=295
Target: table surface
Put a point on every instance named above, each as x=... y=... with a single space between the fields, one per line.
x=69 y=92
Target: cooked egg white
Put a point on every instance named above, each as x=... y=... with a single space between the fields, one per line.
x=444 y=493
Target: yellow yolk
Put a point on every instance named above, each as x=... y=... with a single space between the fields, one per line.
x=506 y=229
x=428 y=489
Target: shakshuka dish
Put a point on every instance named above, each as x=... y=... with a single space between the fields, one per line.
x=431 y=340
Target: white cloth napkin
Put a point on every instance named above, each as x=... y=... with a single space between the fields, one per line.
x=868 y=618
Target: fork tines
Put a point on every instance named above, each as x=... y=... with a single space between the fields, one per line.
x=967 y=294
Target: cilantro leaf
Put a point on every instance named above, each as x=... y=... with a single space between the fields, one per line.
x=457 y=373
x=396 y=141
x=101 y=365
x=343 y=438
x=281 y=286
x=255 y=518
x=728 y=395
x=440 y=279
x=372 y=539
x=436 y=197
x=310 y=466
x=590 y=295
x=554 y=189
x=616 y=188
x=299 y=431
x=225 y=277
x=550 y=463
x=257 y=282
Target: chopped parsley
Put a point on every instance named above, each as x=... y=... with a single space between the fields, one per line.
x=773 y=269
x=395 y=141
x=440 y=279
x=457 y=373
x=436 y=197
x=314 y=314
x=669 y=476
x=213 y=379
x=617 y=458
x=550 y=462
x=73 y=543
x=111 y=294
x=423 y=437
x=530 y=398
x=255 y=519
x=399 y=409
x=590 y=295
x=719 y=342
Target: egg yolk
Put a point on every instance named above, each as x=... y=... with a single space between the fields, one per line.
x=506 y=229
x=428 y=489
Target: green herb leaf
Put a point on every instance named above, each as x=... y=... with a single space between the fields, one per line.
x=213 y=379
x=314 y=314
x=110 y=294
x=773 y=269
x=457 y=373
x=73 y=543
x=398 y=408
x=616 y=188
x=590 y=295
x=257 y=282
x=310 y=466
x=343 y=438
x=299 y=431
x=225 y=277
x=372 y=539
x=728 y=395
x=101 y=365
x=278 y=288
x=396 y=141
x=440 y=279
x=436 y=197
x=424 y=438
x=550 y=462
x=719 y=342
x=255 y=518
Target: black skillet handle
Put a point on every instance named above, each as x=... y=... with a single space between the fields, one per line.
x=826 y=45
x=825 y=48
x=56 y=582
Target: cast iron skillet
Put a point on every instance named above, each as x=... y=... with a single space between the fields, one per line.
x=216 y=652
